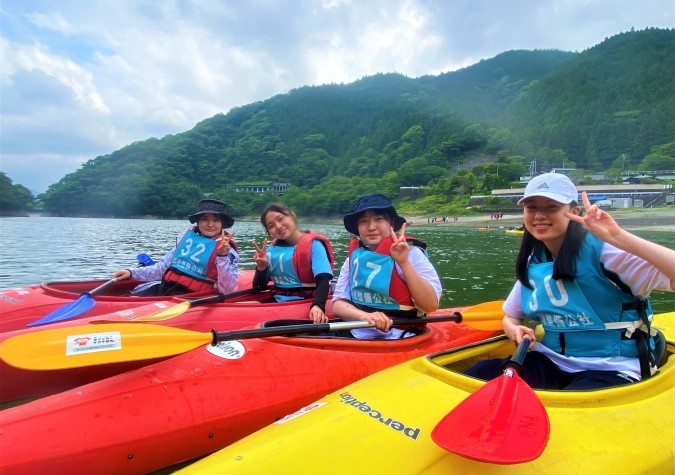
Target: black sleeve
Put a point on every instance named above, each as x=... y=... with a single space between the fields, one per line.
x=322 y=288
x=260 y=279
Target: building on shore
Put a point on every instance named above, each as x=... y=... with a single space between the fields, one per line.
x=620 y=196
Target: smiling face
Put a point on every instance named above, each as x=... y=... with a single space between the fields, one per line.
x=544 y=219
x=373 y=227
x=282 y=226
x=210 y=225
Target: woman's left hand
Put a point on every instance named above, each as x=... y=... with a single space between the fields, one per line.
x=600 y=223
x=317 y=315
x=399 y=249
x=224 y=246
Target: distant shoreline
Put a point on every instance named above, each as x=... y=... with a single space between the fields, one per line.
x=657 y=219
x=661 y=219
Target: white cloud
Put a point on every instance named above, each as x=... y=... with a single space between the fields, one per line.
x=81 y=79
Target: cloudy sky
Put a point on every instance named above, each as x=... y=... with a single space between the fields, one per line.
x=82 y=78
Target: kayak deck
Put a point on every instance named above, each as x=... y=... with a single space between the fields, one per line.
x=598 y=431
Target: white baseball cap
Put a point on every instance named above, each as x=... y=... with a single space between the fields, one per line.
x=551 y=185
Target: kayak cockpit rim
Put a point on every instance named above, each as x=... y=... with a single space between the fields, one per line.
x=447 y=366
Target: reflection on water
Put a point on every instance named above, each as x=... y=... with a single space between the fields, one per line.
x=474 y=266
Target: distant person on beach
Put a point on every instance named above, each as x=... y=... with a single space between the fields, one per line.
x=587 y=281
x=300 y=263
x=385 y=275
x=204 y=259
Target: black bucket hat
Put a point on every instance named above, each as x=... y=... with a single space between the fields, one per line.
x=215 y=207
x=375 y=201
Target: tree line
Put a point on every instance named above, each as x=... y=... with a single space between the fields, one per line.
x=456 y=134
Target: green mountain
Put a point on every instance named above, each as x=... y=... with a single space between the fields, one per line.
x=333 y=142
x=615 y=98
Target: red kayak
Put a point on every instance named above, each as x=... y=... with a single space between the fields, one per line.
x=23 y=305
x=231 y=314
x=197 y=402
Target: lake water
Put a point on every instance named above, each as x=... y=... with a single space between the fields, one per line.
x=475 y=266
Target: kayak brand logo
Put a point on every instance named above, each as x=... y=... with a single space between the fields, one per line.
x=350 y=400
x=131 y=314
x=9 y=299
x=300 y=412
x=93 y=343
x=229 y=350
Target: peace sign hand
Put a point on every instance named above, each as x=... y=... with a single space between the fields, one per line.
x=260 y=255
x=600 y=223
x=399 y=249
x=224 y=246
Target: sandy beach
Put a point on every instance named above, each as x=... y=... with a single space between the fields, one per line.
x=662 y=219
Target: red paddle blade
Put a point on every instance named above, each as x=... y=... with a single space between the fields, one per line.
x=504 y=422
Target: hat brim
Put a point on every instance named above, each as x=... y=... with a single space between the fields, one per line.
x=554 y=196
x=225 y=219
x=351 y=220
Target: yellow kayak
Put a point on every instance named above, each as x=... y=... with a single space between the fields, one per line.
x=383 y=423
x=518 y=232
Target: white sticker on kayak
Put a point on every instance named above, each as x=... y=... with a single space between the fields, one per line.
x=132 y=315
x=300 y=412
x=93 y=342
x=230 y=350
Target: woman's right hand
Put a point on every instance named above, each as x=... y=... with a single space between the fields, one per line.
x=121 y=274
x=515 y=331
x=381 y=321
x=260 y=255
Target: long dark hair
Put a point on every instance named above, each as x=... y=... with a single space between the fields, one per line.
x=565 y=263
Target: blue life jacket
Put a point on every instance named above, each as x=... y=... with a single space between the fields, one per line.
x=594 y=315
x=193 y=255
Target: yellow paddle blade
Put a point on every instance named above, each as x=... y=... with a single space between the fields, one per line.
x=87 y=345
x=166 y=313
x=484 y=316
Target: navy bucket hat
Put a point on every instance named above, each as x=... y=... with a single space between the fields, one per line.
x=375 y=201
x=215 y=207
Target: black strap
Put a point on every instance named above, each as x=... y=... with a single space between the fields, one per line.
x=643 y=339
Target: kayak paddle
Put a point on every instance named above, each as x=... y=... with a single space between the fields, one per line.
x=176 y=309
x=87 y=345
x=484 y=316
x=70 y=310
x=504 y=422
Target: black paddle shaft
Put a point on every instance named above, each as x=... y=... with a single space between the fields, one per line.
x=516 y=361
x=322 y=327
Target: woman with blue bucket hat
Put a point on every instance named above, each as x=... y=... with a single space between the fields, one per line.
x=385 y=275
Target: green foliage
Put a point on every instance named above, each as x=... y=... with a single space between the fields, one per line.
x=457 y=134
x=14 y=197
x=662 y=157
x=615 y=98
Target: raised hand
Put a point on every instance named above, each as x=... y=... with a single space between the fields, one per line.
x=260 y=255
x=599 y=222
x=399 y=248
x=223 y=247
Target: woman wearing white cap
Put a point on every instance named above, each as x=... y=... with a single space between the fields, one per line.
x=589 y=290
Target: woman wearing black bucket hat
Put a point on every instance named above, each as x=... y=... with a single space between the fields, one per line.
x=205 y=257
x=386 y=275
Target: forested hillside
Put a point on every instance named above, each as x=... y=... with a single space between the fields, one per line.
x=616 y=98
x=334 y=142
